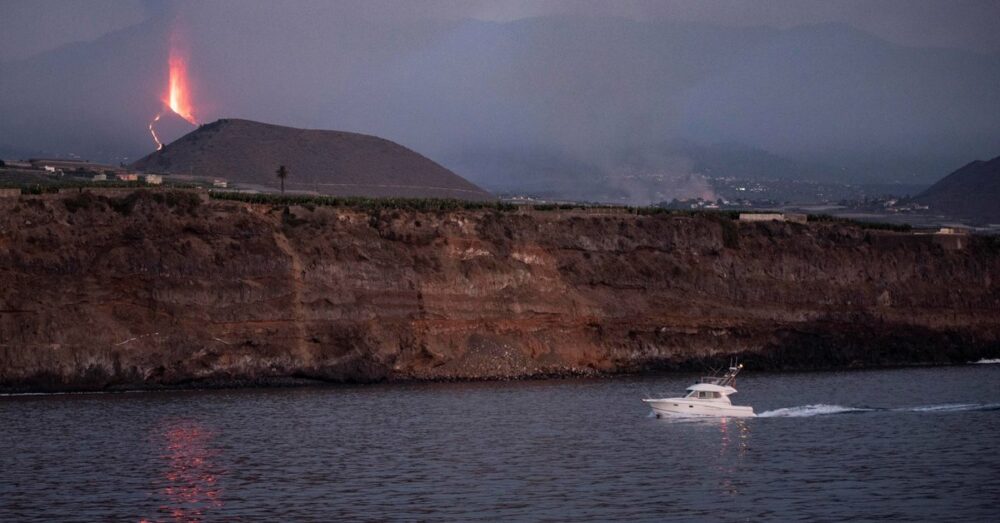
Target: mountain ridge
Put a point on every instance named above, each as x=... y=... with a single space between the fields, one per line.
x=971 y=191
x=323 y=161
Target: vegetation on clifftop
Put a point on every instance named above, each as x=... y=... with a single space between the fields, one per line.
x=897 y=227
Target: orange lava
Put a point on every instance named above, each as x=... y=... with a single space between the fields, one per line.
x=156 y=138
x=178 y=96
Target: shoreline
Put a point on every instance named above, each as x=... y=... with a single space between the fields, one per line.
x=278 y=383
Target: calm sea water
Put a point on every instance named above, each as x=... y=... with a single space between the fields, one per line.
x=910 y=444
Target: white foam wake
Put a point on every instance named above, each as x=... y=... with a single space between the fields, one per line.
x=805 y=411
x=945 y=407
x=953 y=407
x=987 y=361
x=809 y=410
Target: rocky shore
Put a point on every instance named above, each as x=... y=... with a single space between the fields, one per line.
x=150 y=290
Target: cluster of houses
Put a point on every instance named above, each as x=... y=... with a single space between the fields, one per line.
x=97 y=172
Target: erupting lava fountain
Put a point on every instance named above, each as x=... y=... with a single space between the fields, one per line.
x=178 y=96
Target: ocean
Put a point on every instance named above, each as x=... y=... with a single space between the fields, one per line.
x=904 y=444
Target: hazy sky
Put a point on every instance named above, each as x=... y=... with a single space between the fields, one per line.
x=33 y=26
x=506 y=92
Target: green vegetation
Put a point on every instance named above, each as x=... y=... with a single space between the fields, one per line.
x=57 y=186
x=38 y=189
x=826 y=218
x=448 y=204
x=363 y=203
x=558 y=206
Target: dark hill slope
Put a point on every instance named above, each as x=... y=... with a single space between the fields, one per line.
x=329 y=162
x=971 y=192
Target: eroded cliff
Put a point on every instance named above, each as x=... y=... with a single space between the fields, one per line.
x=163 y=289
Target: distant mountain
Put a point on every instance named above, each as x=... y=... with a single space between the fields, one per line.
x=328 y=162
x=972 y=192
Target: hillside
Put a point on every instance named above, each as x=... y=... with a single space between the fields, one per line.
x=163 y=289
x=971 y=192
x=329 y=162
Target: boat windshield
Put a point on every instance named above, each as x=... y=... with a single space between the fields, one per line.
x=704 y=394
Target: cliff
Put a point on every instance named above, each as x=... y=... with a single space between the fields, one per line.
x=166 y=289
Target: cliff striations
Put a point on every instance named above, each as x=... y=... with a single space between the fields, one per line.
x=167 y=289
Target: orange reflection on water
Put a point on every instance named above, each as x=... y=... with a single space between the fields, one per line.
x=190 y=483
x=733 y=446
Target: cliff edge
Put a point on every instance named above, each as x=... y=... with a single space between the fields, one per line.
x=155 y=289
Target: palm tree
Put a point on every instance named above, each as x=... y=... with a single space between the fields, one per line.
x=282 y=174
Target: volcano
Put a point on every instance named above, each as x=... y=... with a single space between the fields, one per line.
x=327 y=162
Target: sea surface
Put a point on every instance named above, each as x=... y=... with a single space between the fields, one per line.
x=905 y=444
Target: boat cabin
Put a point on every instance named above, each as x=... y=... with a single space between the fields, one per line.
x=710 y=392
x=704 y=394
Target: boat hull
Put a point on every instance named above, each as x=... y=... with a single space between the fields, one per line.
x=682 y=407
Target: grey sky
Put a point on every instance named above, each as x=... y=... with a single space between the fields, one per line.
x=509 y=92
x=33 y=26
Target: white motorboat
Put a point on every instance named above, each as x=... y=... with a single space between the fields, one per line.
x=707 y=398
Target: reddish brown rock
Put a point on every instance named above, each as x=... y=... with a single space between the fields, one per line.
x=154 y=290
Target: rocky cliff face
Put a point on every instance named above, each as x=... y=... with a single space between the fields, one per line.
x=162 y=289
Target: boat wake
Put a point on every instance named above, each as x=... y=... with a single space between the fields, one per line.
x=806 y=411
x=955 y=407
x=987 y=361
